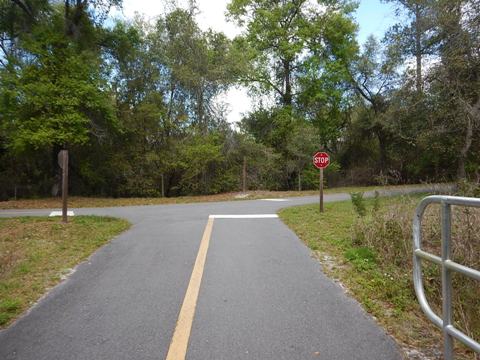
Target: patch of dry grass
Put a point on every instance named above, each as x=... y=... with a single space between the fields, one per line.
x=84 y=202
x=36 y=252
x=389 y=231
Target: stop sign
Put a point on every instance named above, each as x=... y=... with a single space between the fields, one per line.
x=321 y=160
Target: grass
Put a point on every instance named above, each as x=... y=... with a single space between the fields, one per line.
x=82 y=202
x=36 y=253
x=384 y=289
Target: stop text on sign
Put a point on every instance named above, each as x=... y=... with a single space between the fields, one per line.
x=321 y=160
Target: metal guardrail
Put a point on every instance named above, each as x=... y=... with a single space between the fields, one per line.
x=447 y=266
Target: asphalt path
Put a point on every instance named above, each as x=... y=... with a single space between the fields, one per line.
x=262 y=295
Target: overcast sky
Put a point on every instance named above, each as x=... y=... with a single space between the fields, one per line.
x=373 y=17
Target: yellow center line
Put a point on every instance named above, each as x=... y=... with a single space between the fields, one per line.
x=179 y=344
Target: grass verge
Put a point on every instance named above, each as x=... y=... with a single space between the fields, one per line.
x=383 y=288
x=83 y=202
x=36 y=252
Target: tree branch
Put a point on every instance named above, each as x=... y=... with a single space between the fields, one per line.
x=266 y=82
x=24 y=7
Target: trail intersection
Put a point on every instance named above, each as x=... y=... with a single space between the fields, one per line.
x=259 y=295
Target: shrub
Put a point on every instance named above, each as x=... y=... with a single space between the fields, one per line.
x=358 y=203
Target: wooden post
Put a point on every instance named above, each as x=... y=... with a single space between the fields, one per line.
x=163 y=187
x=64 y=185
x=244 y=185
x=321 y=190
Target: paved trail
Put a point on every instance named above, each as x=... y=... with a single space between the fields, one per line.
x=261 y=297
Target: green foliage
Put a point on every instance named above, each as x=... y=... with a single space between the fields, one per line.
x=136 y=101
x=358 y=203
x=297 y=53
x=8 y=309
x=56 y=96
x=363 y=258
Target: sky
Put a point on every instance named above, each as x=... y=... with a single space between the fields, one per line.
x=373 y=16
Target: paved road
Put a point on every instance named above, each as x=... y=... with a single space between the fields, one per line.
x=262 y=295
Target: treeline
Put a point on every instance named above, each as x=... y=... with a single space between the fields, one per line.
x=137 y=105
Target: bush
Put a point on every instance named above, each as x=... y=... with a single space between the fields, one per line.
x=358 y=203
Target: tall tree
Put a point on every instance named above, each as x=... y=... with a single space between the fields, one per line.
x=459 y=71
x=279 y=37
x=292 y=50
x=56 y=99
x=415 y=37
x=374 y=77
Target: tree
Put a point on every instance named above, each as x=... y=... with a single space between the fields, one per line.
x=281 y=35
x=459 y=73
x=296 y=54
x=374 y=76
x=53 y=91
x=55 y=99
x=199 y=65
x=416 y=37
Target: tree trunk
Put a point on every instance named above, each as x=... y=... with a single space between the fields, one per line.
x=170 y=108
x=418 y=49
x=200 y=114
x=57 y=172
x=287 y=97
x=382 y=144
x=461 y=173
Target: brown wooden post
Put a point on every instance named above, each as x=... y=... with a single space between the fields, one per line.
x=163 y=186
x=321 y=190
x=244 y=186
x=321 y=160
x=64 y=185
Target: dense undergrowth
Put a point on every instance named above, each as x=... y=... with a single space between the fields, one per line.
x=384 y=235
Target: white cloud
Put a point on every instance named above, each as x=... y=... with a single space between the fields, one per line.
x=238 y=101
x=212 y=15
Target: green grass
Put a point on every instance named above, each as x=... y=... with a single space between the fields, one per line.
x=384 y=290
x=35 y=253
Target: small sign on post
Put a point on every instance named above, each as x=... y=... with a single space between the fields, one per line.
x=63 y=163
x=321 y=160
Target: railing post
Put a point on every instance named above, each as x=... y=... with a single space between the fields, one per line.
x=447 y=265
x=446 y=280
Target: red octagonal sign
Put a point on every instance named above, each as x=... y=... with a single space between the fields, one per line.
x=321 y=160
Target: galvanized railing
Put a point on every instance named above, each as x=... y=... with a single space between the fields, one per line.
x=447 y=266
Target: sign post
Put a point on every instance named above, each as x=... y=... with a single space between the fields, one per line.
x=63 y=163
x=321 y=160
